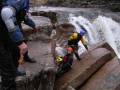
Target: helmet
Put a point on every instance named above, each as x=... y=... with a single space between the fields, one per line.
x=59 y=59
x=69 y=49
x=83 y=32
x=74 y=35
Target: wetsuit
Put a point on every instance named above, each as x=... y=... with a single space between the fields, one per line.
x=74 y=44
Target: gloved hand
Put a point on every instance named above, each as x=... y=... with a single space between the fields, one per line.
x=23 y=48
x=21 y=60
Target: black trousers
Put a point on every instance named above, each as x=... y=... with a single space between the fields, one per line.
x=8 y=67
x=75 y=48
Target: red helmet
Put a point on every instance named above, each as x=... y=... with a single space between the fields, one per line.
x=69 y=49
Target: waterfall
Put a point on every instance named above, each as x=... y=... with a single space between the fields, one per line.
x=111 y=32
x=101 y=29
x=73 y=20
x=79 y=22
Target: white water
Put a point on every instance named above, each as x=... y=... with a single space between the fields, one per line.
x=101 y=29
x=81 y=21
x=73 y=20
x=111 y=32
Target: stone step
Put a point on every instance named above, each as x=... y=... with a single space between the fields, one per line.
x=107 y=78
x=82 y=70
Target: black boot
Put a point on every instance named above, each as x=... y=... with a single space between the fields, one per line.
x=86 y=47
x=28 y=59
x=77 y=56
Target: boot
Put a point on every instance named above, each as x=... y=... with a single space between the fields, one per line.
x=28 y=59
x=77 y=56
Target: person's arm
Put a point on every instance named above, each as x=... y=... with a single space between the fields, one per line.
x=79 y=36
x=9 y=18
x=28 y=21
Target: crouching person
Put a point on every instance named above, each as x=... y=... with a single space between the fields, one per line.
x=73 y=41
x=12 y=42
x=65 y=62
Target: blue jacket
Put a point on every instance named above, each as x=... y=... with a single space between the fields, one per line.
x=20 y=6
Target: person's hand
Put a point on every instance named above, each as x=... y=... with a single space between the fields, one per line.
x=23 y=48
x=21 y=60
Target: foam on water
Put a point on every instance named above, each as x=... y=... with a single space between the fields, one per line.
x=101 y=29
x=111 y=32
x=81 y=21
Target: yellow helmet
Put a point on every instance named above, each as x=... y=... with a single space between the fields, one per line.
x=70 y=50
x=73 y=36
x=59 y=59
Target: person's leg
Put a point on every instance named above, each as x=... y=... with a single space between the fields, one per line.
x=84 y=42
x=75 y=48
x=27 y=57
x=77 y=56
x=16 y=57
x=8 y=83
x=66 y=67
x=86 y=46
x=7 y=70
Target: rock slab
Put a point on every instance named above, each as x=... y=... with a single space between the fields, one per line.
x=82 y=70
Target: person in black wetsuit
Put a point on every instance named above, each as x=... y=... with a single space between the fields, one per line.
x=73 y=42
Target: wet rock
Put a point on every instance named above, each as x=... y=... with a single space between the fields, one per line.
x=40 y=75
x=103 y=44
x=112 y=4
x=107 y=78
x=51 y=15
x=70 y=88
x=82 y=70
x=47 y=79
x=62 y=13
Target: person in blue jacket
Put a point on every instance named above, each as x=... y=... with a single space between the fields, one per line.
x=12 y=43
x=22 y=15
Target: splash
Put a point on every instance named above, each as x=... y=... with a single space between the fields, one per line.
x=101 y=29
x=110 y=31
x=80 y=22
x=73 y=20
